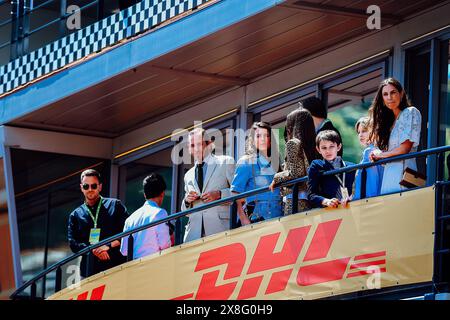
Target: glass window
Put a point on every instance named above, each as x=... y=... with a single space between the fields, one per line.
x=47 y=190
x=444 y=132
x=277 y=119
x=5 y=31
x=417 y=86
x=132 y=192
x=347 y=102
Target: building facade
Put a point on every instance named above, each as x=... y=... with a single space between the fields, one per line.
x=111 y=94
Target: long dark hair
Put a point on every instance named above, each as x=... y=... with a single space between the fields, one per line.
x=251 y=145
x=381 y=117
x=300 y=125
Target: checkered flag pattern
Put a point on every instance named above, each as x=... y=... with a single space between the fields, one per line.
x=127 y=23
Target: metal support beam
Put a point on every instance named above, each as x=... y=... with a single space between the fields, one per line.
x=12 y=215
x=62 y=14
x=335 y=10
x=433 y=110
x=205 y=76
x=346 y=93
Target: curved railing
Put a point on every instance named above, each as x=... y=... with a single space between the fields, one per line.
x=57 y=266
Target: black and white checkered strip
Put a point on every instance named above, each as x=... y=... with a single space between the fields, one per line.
x=140 y=17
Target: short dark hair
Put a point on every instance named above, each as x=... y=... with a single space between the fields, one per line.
x=315 y=106
x=91 y=173
x=154 y=185
x=328 y=135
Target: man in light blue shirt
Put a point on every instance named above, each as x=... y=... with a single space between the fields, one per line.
x=153 y=239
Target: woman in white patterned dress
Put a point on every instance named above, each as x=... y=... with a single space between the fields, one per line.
x=396 y=130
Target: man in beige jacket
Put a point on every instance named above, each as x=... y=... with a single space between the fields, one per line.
x=208 y=180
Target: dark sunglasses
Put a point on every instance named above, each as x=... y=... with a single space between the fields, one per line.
x=86 y=186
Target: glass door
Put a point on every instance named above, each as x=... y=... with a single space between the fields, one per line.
x=47 y=190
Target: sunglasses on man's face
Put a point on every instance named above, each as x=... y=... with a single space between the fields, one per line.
x=86 y=186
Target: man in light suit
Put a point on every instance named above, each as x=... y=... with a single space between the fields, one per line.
x=207 y=181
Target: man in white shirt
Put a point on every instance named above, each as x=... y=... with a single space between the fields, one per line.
x=153 y=239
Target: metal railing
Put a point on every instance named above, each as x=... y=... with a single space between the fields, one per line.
x=22 y=11
x=295 y=182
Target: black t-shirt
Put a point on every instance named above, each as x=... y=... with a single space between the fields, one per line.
x=111 y=220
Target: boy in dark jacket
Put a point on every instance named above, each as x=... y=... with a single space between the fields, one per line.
x=329 y=191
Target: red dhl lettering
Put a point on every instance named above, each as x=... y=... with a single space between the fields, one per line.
x=97 y=294
x=265 y=259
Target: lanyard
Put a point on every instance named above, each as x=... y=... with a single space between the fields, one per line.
x=96 y=213
x=342 y=182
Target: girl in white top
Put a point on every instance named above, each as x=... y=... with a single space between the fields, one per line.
x=396 y=130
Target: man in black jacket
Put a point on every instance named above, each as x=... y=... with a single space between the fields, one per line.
x=319 y=113
x=96 y=219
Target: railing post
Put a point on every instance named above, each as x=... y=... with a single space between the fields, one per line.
x=130 y=248
x=440 y=166
x=33 y=291
x=62 y=17
x=437 y=239
x=89 y=264
x=178 y=232
x=363 y=183
x=100 y=9
x=295 y=199
x=233 y=215
x=58 y=279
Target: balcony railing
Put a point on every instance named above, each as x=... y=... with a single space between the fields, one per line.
x=439 y=278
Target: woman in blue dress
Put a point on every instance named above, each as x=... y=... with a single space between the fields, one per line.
x=396 y=130
x=255 y=170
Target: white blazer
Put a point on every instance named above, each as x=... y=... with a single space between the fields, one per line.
x=219 y=175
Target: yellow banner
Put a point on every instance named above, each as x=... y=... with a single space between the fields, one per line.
x=375 y=243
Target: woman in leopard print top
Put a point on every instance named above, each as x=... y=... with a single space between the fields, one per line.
x=300 y=152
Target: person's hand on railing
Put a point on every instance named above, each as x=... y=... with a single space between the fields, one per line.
x=242 y=215
x=375 y=155
x=101 y=253
x=272 y=185
x=330 y=203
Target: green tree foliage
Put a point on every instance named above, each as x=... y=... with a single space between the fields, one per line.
x=344 y=119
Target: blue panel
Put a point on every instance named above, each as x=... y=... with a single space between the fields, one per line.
x=130 y=55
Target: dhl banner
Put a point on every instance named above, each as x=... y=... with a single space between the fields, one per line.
x=374 y=243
